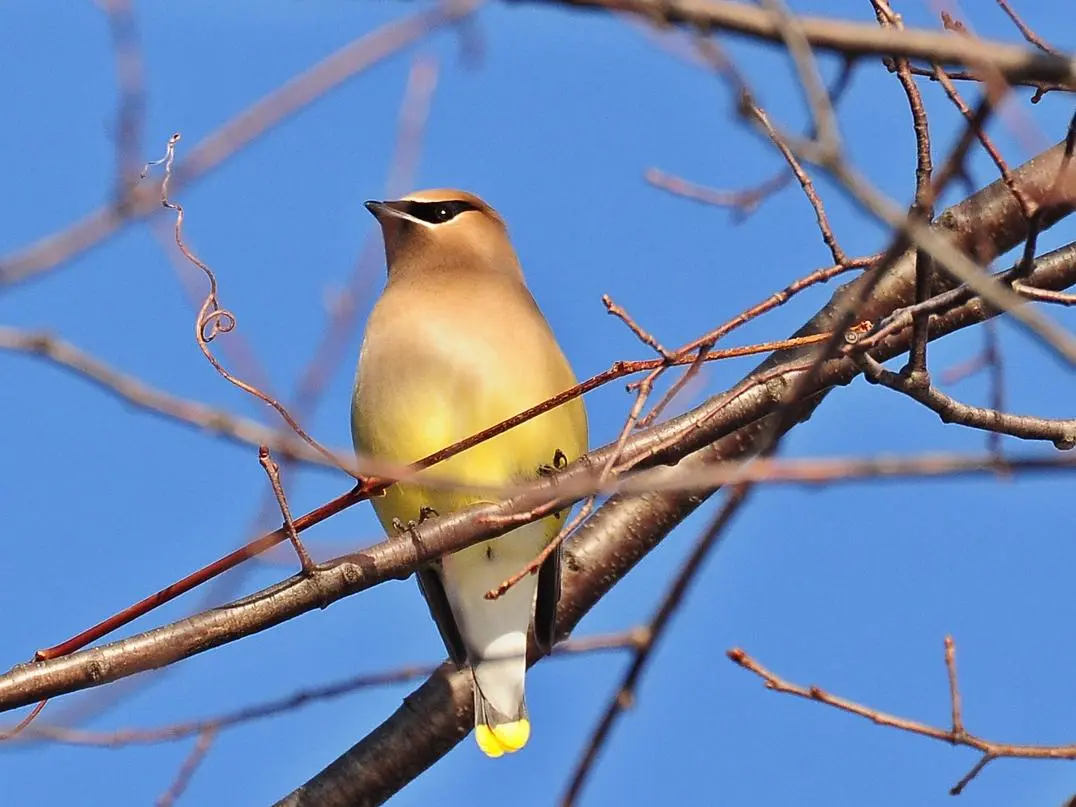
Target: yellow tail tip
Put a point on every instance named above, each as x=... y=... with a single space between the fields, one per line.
x=505 y=738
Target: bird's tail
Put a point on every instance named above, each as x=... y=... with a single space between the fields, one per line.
x=500 y=707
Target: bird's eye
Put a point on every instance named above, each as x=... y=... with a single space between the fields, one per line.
x=436 y=212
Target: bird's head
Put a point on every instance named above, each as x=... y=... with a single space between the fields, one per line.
x=443 y=230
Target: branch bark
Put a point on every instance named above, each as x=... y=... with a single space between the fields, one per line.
x=1014 y=62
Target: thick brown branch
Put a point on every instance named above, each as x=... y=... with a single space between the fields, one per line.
x=606 y=548
x=626 y=528
x=398 y=557
x=1015 y=63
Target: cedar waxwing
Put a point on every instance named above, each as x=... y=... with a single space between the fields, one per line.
x=454 y=345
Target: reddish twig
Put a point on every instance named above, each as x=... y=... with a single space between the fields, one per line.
x=643 y=336
x=18 y=728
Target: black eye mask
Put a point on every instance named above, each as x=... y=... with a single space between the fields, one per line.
x=433 y=212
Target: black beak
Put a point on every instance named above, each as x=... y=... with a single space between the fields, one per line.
x=383 y=211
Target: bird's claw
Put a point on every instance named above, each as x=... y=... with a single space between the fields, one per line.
x=423 y=514
x=560 y=461
x=400 y=527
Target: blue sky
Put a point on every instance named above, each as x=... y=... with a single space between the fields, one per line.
x=852 y=587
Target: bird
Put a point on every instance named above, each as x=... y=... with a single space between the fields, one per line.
x=455 y=344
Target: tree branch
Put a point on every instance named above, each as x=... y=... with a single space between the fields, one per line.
x=1014 y=62
x=238 y=132
x=759 y=395
x=438 y=715
x=1060 y=431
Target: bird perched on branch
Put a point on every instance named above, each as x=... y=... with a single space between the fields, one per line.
x=456 y=344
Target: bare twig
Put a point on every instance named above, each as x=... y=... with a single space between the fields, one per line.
x=188 y=768
x=1061 y=432
x=7 y=734
x=743 y=202
x=234 y=135
x=624 y=697
x=824 y=120
x=1025 y=30
x=923 y=206
x=216 y=422
x=272 y=470
x=751 y=109
x=643 y=336
x=956 y=735
x=1044 y=295
x=954 y=688
x=213 y=320
x=629 y=639
x=132 y=102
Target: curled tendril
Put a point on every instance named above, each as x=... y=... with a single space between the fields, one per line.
x=215 y=322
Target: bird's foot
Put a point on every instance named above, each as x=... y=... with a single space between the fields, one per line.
x=423 y=514
x=400 y=527
x=560 y=461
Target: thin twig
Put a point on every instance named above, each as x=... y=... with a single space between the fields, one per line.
x=1044 y=295
x=13 y=732
x=956 y=735
x=217 y=422
x=629 y=639
x=1060 y=431
x=272 y=470
x=213 y=320
x=131 y=110
x=188 y=768
x=1025 y=30
x=643 y=335
x=956 y=707
x=240 y=131
x=742 y=202
x=625 y=695
x=923 y=206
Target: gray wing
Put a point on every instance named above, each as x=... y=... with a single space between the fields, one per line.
x=545 y=606
x=433 y=590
